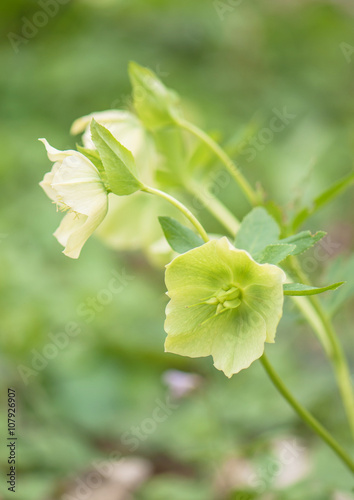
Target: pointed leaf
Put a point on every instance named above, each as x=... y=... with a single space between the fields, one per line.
x=272 y=254
x=303 y=241
x=258 y=229
x=118 y=162
x=179 y=237
x=300 y=289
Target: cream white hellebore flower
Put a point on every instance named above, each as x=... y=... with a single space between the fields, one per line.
x=75 y=185
x=131 y=222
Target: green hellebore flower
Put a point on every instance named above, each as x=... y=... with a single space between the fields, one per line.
x=223 y=304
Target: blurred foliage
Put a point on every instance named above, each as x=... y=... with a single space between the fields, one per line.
x=232 y=74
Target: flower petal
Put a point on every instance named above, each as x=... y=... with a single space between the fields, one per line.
x=103 y=117
x=268 y=301
x=78 y=184
x=123 y=125
x=46 y=183
x=203 y=268
x=56 y=155
x=235 y=338
x=70 y=223
x=245 y=270
x=82 y=230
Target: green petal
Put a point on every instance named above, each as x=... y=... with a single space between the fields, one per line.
x=244 y=269
x=203 y=268
x=235 y=338
x=268 y=301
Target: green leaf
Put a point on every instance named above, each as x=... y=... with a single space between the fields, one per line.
x=272 y=254
x=322 y=199
x=258 y=229
x=300 y=289
x=303 y=241
x=156 y=105
x=179 y=237
x=118 y=162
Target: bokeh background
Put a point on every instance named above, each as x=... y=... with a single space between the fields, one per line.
x=233 y=63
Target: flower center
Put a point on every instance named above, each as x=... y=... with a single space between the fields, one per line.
x=228 y=297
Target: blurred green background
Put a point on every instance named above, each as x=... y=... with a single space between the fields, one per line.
x=233 y=63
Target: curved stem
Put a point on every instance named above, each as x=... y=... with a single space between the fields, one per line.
x=187 y=213
x=321 y=323
x=306 y=415
x=247 y=189
x=215 y=207
x=339 y=362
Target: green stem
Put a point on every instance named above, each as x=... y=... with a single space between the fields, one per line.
x=321 y=323
x=187 y=213
x=305 y=415
x=247 y=189
x=215 y=207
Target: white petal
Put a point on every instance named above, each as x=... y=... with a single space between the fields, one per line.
x=80 y=234
x=46 y=183
x=102 y=117
x=125 y=127
x=56 y=155
x=130 y=134
x=78 y=184
x=70 y=223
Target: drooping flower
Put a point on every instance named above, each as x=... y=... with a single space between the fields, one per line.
x=223 y=304
x=131 y=222
x=75 y=185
